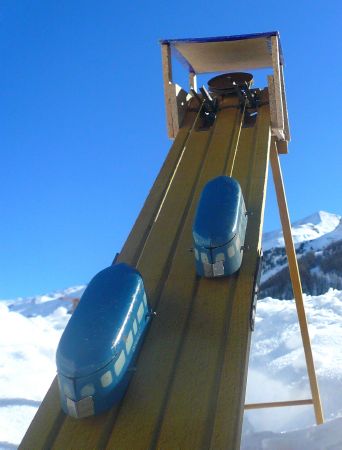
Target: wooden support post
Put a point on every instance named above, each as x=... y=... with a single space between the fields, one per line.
x=167 y=77
x=193 y=81
x=277 y=83
x=295 y=279
x=283 y=96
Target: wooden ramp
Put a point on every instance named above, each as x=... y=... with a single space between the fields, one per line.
x=188 y=391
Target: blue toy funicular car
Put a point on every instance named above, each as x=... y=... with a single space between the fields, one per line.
x=219 y=228
x=101 y=341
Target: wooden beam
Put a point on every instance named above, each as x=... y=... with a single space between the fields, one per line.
x=279 y=111
x=249 y=406
x=277 y=131
x=295 y=279
x=283 y=95
x=167 y=77
x=282 y=147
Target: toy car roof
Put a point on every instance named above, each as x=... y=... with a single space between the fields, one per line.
x=89 y=340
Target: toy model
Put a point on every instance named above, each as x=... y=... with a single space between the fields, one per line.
x=219 y=228
x=97 y=350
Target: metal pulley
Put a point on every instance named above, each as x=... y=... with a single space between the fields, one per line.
x=227 y=83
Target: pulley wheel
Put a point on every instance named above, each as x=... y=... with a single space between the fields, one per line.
x=224 y=84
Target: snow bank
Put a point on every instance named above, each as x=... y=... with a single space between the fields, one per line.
x=29 y=333
x=31 y=328
x=277 y=370
x=324 y=437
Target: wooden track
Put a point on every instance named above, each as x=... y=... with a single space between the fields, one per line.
x=189 y=388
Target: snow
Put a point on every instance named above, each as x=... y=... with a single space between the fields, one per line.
x=31 y=329
x=277 y=372
x=29 y=333
x=325 y=437
x=310 y=228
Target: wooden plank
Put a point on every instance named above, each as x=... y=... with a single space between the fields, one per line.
x=282 y=147
x=167 y=78
x=175 y=96
x=295 y=280
x=250 y=406
x=276 y=131
x=283 y=136
x=286 y=116
x=279 y=109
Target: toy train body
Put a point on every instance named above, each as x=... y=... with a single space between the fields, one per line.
x=99 y=345
x=219 y=228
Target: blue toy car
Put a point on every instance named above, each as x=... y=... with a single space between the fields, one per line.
x=99 y=345
x=219 y=228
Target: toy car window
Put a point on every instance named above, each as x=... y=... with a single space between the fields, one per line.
x=140 y=311
x=88 y=390
x=106 y=378
x=120 y=363
x=129 y=342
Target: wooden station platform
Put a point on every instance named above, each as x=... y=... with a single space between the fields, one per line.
x=188 y=390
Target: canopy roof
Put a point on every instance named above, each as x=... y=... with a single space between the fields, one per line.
x=225 y=53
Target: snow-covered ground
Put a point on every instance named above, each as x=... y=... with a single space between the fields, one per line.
x=31 y=328
x=277 y=372
x=29 y=333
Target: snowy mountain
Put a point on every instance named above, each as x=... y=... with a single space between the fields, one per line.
x=318 y=242
x=308 y=229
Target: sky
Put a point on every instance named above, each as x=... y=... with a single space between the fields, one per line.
x=83 y=130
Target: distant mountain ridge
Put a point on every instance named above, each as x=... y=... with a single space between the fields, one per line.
x=310 y=228
x=318 y=242
x=44 y=305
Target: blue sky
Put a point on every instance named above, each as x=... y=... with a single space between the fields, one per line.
x=82 y=122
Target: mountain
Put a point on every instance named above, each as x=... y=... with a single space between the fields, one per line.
x=44 y=305
x=308 y=229
x=318 y=243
